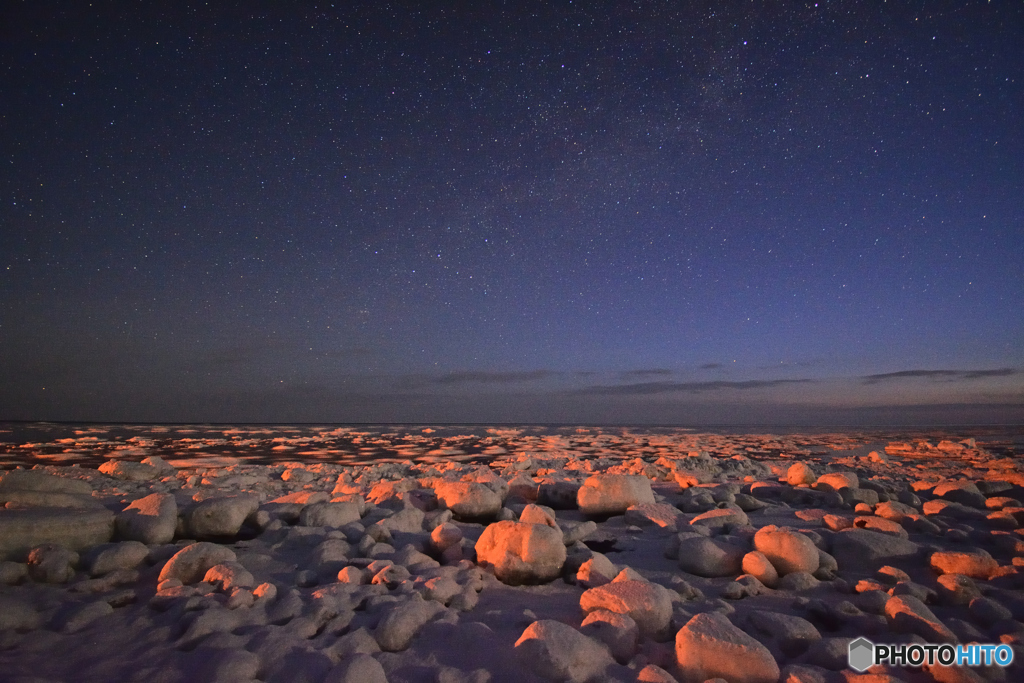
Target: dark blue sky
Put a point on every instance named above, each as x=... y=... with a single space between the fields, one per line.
x=552 y=211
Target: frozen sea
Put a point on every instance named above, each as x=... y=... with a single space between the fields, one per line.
x=194 y=445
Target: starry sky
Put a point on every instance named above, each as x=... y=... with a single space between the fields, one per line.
x=608 y=212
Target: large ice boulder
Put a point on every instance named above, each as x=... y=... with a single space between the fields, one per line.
x=613 y=494
x=521 y=553
x=709 y=646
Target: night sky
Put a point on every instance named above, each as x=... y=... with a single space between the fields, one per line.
x=673 y=212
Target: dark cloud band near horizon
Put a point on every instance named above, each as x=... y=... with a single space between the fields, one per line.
x=648 y=388
x=482 y=377
x=951 y=375
x=653 y=372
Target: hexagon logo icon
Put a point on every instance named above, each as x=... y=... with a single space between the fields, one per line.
x=861 y=655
